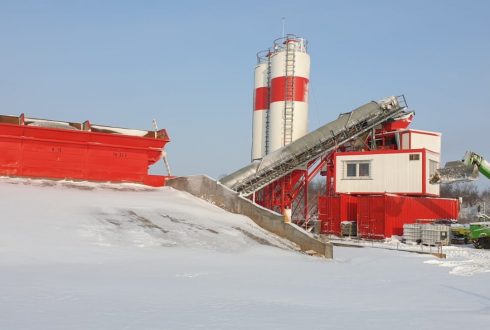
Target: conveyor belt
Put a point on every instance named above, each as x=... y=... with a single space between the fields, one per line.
x=299 y=153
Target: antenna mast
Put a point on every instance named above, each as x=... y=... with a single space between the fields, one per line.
x=283 y=26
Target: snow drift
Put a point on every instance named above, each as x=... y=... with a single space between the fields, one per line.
x=94 y=256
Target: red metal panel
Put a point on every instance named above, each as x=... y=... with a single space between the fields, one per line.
x=329 y=214
x=334 y=215
x=402 y=209
x=348 y=207
x=9 y=156
x=398 y=124
x=371 y=217
x=43 y=152
x=398 y=211
x=332 y=210
x=261 y=98
x=384 y=216
x=297 y=89
x=424 y=171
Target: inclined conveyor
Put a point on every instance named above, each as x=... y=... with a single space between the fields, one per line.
x=310 y=147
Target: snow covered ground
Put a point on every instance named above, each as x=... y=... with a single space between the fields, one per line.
x=94 y=256
x=462 y=260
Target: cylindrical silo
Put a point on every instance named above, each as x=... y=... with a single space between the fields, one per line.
x=290 y=75
x=261 y=106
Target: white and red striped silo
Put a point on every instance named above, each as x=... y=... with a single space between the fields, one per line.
x=261 y=105
x=289 y=78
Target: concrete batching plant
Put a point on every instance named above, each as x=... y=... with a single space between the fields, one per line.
x=377 y=170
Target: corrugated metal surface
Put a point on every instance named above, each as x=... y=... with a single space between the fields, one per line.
x=371 y=217
x=42 y=152
x=329 y=214
x=381 y=216
x=332 y=210
x=384 y=216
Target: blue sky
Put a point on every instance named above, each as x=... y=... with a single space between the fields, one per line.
x=189 y=65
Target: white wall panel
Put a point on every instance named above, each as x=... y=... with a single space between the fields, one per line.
x=405 y=140
x=426 y=141
x=393 y=173
x=411 y=139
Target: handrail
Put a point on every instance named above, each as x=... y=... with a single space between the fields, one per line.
x=299 y=44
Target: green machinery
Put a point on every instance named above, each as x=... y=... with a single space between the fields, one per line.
x=460 y=234
x=480 y=232
x=468 y=170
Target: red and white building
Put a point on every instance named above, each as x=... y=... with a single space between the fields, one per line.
x=384 y=182
x=381 y=179
x=403 y=167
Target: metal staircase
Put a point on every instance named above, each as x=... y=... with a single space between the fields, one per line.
x=310 y=147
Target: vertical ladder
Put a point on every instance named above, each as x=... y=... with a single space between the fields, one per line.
x=289 y=93
x=267 y=115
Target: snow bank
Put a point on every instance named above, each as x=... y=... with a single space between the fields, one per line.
x=463 y=260
x=91 y=256
x=54 y=217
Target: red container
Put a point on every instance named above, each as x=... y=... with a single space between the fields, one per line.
x=332 y=210
x=384 y=216
x=76 y=151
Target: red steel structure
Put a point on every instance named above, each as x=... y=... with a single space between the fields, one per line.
x=41 y=148
x=280 y=194
x=373 y=137
x=381 y=216
x=291 y=191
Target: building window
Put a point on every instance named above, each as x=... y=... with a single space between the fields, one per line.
x=414 y=156
x=364 y=169
x=351 y=170
x=357 y=170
